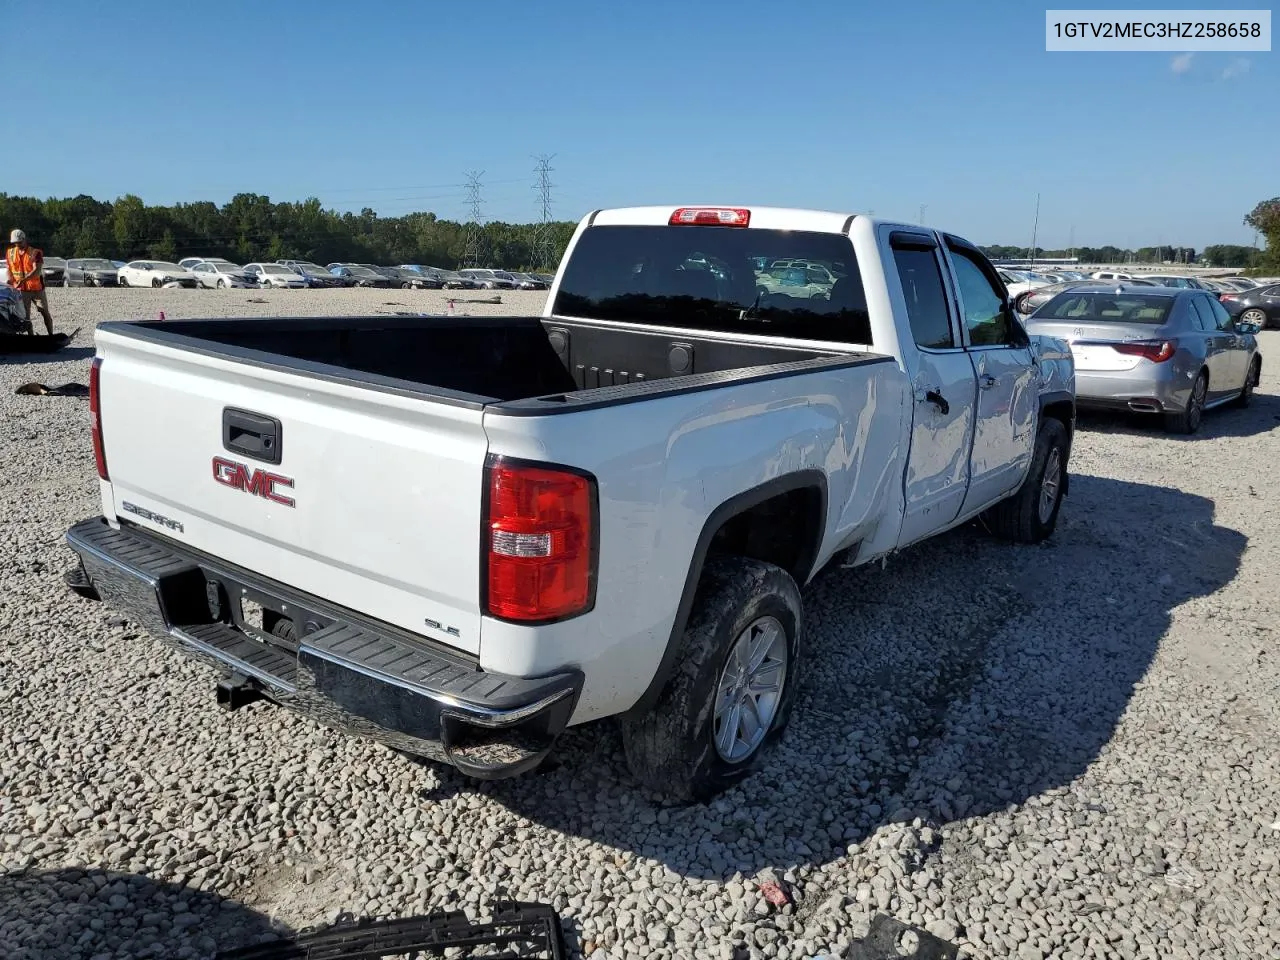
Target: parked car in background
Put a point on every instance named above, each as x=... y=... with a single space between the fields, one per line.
x=1109 y=275
x=90 y=272
x=1234 y=283
x=154 y=273
x=1017 y=282
x=448 y=279
x=1185 y=283
x=118 y=263
x=409 y=279
x=355 y=275
x=489 y=279
x=223 y=275
x=186 y=263
x=1259 y=306
x=527 y=281
x=1162 y=350
x=453 y=280
x=1028 y=301
x=314 y=274
x=54 y=269
x=1248 y=282
x=276 y=275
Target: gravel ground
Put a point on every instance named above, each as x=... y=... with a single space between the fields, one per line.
x=1067 y=750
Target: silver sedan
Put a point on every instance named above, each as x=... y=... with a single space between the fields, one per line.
x=1168 y=351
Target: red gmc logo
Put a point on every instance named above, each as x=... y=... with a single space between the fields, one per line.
x=260 y=483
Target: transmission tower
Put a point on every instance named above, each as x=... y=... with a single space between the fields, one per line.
x=474 y=252
x=543 y=242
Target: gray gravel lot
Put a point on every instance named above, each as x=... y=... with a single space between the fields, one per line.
x=1067 y=750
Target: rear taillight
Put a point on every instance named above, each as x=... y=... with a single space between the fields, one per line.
x=1225 y=297
x=1157 y=351
x=540 y=541
x=95 y=415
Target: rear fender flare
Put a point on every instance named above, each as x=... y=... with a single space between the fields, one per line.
x=1055 y=398
x=735 y=505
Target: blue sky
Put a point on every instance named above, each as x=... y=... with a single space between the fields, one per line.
x=835 y=105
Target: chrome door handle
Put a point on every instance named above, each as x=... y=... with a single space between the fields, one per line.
x=987 y=381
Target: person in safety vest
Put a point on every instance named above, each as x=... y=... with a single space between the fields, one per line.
x=26 y=275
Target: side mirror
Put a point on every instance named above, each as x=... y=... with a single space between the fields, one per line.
x=1242 y=327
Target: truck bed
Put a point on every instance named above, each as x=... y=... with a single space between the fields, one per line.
x=477 y=360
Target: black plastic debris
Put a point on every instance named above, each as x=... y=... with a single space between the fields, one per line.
x=518 y=931
x=42 y=390
x=890 y=939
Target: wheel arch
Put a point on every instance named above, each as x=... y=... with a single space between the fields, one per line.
x=1060 y=405
x=804 y=490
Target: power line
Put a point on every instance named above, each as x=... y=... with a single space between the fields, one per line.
x=542 y=242
x=474 y=250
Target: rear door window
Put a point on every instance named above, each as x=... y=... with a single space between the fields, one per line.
x=1202 y=314
x=921 y=278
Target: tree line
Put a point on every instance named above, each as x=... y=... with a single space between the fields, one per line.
x=251 y=227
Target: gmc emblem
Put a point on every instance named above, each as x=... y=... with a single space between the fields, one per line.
x=260 y=483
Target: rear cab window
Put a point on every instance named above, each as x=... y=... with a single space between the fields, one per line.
x=712 y=278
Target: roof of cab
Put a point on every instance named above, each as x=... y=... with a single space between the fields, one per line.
x=767 y=218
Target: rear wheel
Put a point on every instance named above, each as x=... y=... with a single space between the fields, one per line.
x=1188 y=420
x=156 y=283
x=1031 y=514
x=732 y=686
x=124 y=281
x=222 y=284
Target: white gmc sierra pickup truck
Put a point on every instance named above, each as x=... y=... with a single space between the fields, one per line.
x=459 y=535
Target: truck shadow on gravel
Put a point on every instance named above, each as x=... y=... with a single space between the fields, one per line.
x=965 y=676
x=1261 y=416
x=65 y=355
x=71 y=914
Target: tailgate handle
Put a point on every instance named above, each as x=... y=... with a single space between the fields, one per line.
x=251 y=435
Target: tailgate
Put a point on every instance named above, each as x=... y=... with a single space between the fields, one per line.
x=374 y=503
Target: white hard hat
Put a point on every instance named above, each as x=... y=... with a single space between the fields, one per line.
x=17 y=237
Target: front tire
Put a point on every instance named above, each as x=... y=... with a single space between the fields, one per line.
x=1255 y=316
x=1188 y=420
x=1031 y=514
x=731 y=688
x=1250 y=383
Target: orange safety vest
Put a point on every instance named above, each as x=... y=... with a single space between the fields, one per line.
x=23 y=262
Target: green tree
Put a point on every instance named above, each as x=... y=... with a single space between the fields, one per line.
x=1265 y=218
x=1229 y=255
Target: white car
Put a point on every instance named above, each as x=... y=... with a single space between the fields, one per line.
x=1110 y=275
x=1020 y=281
x=154 y=273
x=222 y=274
x=275 y=275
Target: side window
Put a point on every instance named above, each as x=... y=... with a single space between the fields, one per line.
x=985 y=315
x=926 y=298
x=1202 y=314
x=1220 y=315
